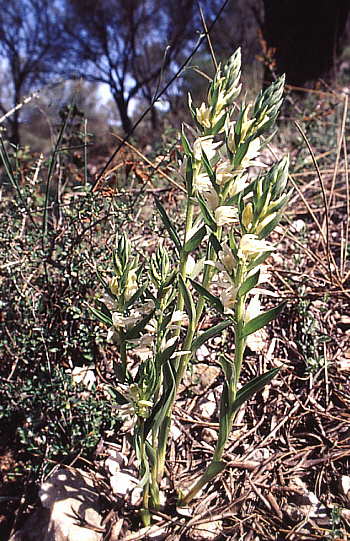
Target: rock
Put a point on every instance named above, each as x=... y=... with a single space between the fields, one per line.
x=66 y=496
x=122 y=483
x=201 y=378
x=207 y=530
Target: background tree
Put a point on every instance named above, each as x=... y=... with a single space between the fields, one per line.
x=308 y=37
x=129 y=45
x=30 y=48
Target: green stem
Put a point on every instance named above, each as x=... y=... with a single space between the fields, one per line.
x=164 y=428
x=226 y=418
x=144 y=461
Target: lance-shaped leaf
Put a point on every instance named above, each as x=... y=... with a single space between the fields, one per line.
x=161 y=408
x=226 y=418
x=250 y=282
x=136 y=295
x=208 y=167
x=215 y=244
x=191 y=310
x=207 y=215
x=116 y=395
x=219 y=125
x=135 y=331
x=214 y=468
x=242 y=151
x=210 y=333
x=229 y=370
x=186 y=144
x=270 y=226
x=103 y=282
x=168 y=225
x=101 y=316
x=192 y=243
x=263 y=319
x=212 y=299
x=259 y=260
x=253 y=387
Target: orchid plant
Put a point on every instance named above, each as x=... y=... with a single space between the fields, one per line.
x=157 y=309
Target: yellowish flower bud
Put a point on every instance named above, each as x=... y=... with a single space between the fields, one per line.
x=203 y=115
x=131 y=285
x=246 y=123
x=247 y=216
x=114 y=285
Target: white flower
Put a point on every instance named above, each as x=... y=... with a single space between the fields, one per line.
x=168 y=343
x=253 y=309
x=251 y=245
x=135 y=405
x=190 y=265
x=228 y=297
x=239 y=185
x=178 y=316
x=120 y=321
x=212 y=198
x=247 y=216
x=206 y=145
x=202 y=182
x=109 y=302
x=225 y=215
x=144 y=346
x=224 y=172
x=252 y=153
x=226 y=257
x=148 y=306
x=111 y=334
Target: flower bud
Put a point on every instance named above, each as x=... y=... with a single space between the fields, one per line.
x=247 y=216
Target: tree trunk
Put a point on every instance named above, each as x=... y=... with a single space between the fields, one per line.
x=309 y=36
x=122 y=105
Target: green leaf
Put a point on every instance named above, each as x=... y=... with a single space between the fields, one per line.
x=215 y=244
x=208 y=167
x=250 y=282
x=219 y=125
x=167 y=224
x=161 y=408
x=210 y=333
x=255 y=262
x=260 y=321
x=186 y=144
x=191 y=310
x=116 y=395
x=214 y=301
x=136 y=295
x=135 y=332
x=271 y=225
x=103 y=282
x=101 y=316
x=253 y=387
x=207 y=215
x=195 y=240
